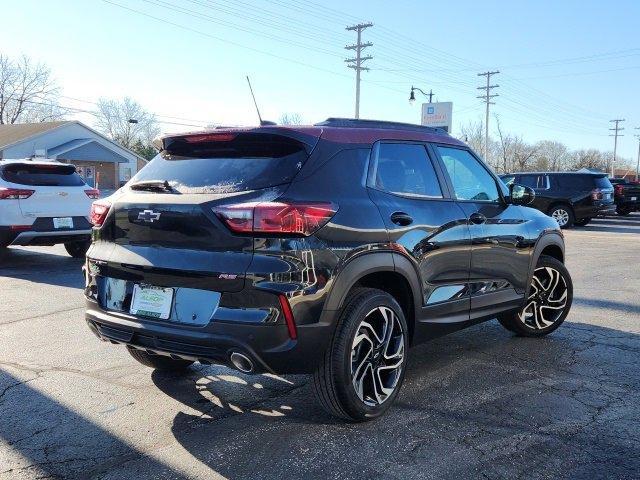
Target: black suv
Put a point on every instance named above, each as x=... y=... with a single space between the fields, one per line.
x=572 y=198
x=327 y=249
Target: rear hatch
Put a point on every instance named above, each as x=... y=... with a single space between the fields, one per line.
x=629 y=192
x=603 y=193
x=57 y=191
x=166 y=227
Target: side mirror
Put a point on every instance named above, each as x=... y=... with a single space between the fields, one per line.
x=521 y=195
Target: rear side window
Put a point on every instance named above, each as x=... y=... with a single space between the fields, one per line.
x=539 y=182
x=228 y=163
x=471 y=181
x=406 y=169
x=54 y=175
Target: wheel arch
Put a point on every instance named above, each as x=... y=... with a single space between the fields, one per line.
x=551 y=244
x=390 y=272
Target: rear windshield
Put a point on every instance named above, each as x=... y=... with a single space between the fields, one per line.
x=235 y=163
x=42 y=175
x=603 y=182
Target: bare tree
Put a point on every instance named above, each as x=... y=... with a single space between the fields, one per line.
x=551 y=156
x=505 y=147
x=290 y=119
x=28 y=92
x=126 y=122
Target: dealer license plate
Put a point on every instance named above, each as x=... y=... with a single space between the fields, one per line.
x=63 y=222
x=154 y=302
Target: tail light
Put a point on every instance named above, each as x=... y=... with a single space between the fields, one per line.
x=99 y=211
x=276 y=218
x=93 y=193
x=288 y=317
x=15 y=193
x=596 y=194
x=618 y=189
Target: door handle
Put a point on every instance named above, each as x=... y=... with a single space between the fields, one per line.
x=477 y=218
x=401 y=218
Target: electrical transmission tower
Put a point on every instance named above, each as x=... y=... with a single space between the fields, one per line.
x=487 y=99
x=356 y=63
x=616 y=134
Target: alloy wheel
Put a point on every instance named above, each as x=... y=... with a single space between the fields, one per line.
x=561 y=216
x=547 y=299
x=377 y=356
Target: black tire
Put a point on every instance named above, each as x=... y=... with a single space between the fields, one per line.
x=77 y=249
x=332 y=381
x=582 y=222
x=623 y=211
x=514 y=321
x=159 y=362
x=568 y=214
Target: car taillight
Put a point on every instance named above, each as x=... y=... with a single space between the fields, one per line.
x=276 y=218
x=618 y=189
x=15 y=193
x=99 y=211
x=93 y=193
x=597 y=194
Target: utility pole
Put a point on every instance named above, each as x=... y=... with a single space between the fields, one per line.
x=615 y=129
x=356 y=63
x=487 y=98
x=638 y=161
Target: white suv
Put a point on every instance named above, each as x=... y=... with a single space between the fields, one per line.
x=44 y=203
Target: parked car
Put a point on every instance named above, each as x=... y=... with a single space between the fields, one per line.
x=44 y=203
x=626 y=195
x=571 y=198
x=327 y=249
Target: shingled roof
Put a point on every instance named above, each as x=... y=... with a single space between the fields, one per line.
x=10 y=134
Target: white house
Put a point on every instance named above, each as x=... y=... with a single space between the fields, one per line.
x=101 y=161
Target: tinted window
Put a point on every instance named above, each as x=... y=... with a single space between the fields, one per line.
x=534 y=181
x=406 y=169
x=603 y=182
x=54 y=175
x=582 y=182
x=471 y=181
x=235 y=163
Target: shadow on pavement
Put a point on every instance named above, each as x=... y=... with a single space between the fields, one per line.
x=557 y=407
x=40 y=266
x=607 y=304
x=75 y=447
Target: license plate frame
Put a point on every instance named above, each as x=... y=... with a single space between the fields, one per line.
x=633 y=199
x=63 y=223
x=151 y=301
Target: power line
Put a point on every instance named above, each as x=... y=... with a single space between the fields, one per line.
x=487 y=99
x=356 y=63
x=616 y=134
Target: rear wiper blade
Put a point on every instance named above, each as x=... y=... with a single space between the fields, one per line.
x=152 y=186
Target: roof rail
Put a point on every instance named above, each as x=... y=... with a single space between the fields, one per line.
x=357 y=123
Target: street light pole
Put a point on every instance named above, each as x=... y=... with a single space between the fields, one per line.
x=638 y=161
x=412 y=97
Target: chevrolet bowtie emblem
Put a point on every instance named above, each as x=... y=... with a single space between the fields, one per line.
x=148 y=216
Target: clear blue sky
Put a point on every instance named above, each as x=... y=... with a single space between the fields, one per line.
x=567 y=67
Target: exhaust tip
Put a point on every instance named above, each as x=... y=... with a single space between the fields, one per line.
x=241 y=362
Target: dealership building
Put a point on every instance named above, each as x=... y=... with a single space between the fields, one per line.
x=100 y=161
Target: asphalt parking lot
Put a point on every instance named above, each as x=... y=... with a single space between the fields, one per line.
x=478 y=403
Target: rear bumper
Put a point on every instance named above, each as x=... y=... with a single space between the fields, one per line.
x=26 y=238
x=268 y=346
x=595 y=210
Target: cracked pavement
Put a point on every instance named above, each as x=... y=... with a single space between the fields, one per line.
x=480 y=403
